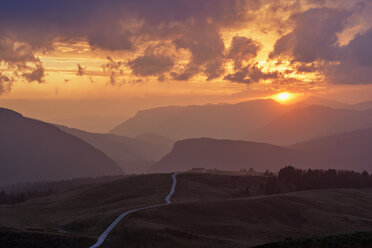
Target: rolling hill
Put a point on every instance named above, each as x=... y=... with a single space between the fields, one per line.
x=345 y=151
x=224 y=217
x=32 y=150
x=134 y=155
x=227 y=155
x=351 y=150
x=247 y=222
x=218 y=121
x=311 y=122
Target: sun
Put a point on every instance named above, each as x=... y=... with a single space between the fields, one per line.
x=283 y=96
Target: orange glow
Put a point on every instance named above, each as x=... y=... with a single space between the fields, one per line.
x=283 y=96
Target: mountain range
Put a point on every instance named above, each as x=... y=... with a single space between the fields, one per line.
x=31 y=150
x=260 y=134
x=346 y=151
x=229 y=121
x=259 y=120
x=133 y=155
x=301 y=124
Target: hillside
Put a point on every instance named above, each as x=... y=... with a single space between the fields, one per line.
x=346 y=151
x=226 y=155
x=32 y=150
x=225 y=217
x=87 y=209
x=218 y=121
x=351 y=150
x=309 y=123
x=133 y=155
x=247 y=222
x=347 y=240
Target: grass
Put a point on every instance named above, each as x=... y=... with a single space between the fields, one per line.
x=18 y=239
x=246 y=222
x=209 y=210
x=87 y=209
x=349 y=240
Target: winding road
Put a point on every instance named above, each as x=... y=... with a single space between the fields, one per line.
x=167 y=199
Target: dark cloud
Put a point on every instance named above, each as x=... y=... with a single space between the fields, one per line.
x=114 y=24
x=36 y=74
x=122 y=25
x=355 y=64
x=251 y=74
x=313 y=46
x=114 y=69
x=314 y=36
x=207 y=50
x=194 y=26
x=151 y=65
x=242 y=49
x=18 y=57
x=80 y=70
x=5 y=83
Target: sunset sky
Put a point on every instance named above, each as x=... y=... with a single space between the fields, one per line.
x=138 y=54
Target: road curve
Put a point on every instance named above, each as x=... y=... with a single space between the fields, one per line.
x=167 y=199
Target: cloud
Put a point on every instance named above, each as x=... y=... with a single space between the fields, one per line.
x=192 y=27
x=313 y=46
x=114 y=69
x=355 y=64
x=18 y=57
x=251 y=74
x=207 y=51
x=5 y=83
x=36 y=74
x=113 y=25
x=81 y=70
x=151 y=65
x=314 y=36
x=124 y=25
x=242 y=49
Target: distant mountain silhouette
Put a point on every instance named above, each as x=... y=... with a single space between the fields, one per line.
x=134 y=155
x=91 y=123
x=155 y=139
x=363 y=105
x=309 y=123
x=226 y=155
x=31 y=150
x=351 y=150
x=218 y=120
x=322 y=102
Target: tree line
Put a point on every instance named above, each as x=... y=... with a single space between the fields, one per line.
x=291 y=179
x=17 y=193
x=14 y=198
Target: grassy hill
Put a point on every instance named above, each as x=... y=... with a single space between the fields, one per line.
x=33 y=239
x=247 y=222
x=208 y=210
x=348 y=240
x=88 y=209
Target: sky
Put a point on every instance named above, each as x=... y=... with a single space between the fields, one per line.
x=74 y=58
